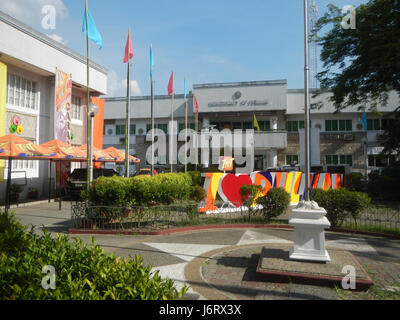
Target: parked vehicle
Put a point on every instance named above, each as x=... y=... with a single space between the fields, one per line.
x=144 y=171
x=77 y=180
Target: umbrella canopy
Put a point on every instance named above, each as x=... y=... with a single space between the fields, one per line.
x=98 y=154
x=120 y=155
x=64 y=150
x=12 y=146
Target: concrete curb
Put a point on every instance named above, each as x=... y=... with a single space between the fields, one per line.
x=224 y=226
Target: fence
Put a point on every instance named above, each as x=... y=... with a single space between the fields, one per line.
x=85 y=216
x=375 y=219
x=158 y=217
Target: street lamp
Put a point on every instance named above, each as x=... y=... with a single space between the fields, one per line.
x=93 y=110
x=209 y=128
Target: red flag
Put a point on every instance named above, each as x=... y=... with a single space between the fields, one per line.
x=128 y=49
x=196 y=104
x=171 y=84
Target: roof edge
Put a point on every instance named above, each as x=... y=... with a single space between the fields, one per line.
x=49 y=41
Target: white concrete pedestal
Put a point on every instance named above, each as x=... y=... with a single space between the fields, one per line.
x=309 y=222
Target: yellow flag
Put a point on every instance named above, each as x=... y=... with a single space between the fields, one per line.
x=255 y=123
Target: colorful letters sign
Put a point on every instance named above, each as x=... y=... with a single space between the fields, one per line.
x=227 y=185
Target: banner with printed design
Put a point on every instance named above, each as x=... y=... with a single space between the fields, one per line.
x=62 y=115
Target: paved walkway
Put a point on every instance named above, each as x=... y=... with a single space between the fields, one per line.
x=220 y=264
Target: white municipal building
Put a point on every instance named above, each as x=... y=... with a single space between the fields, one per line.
x=336 y=138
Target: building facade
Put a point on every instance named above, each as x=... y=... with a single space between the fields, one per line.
x=337 y=138
x=29 y=60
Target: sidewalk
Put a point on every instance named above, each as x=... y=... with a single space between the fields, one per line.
x=221 y=263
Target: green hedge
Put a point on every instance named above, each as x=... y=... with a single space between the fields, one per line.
x=82 y=272
x=274 y=203
x=341 y=203
x=163 y=188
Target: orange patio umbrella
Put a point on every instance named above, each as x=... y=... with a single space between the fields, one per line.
x=98 y=154
x=15 y=147
x=120 y=155
x=64 y=150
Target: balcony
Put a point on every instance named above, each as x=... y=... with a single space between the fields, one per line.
x=276 y=139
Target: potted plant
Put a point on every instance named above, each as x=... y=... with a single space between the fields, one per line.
x=33 y=193
x=15 y=190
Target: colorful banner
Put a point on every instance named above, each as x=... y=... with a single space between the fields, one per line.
x=227 y=185
x=62 y=123
x=98 y=123
x=3 y=94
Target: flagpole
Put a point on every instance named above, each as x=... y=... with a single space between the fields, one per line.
x=196 y=129
x=171 y=147
x=152 y=112
x=88 y=124
x=127 y=122
x=186 y=127
x=153 y=127
x=306 y=105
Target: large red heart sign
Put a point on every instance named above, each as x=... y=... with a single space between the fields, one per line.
x=230 y=185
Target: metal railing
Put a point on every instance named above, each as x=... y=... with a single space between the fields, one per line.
x=155 y=217
x=375 y=219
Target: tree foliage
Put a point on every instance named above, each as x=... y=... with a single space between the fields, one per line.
x=361 y=65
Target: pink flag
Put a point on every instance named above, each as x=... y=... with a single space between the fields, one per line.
x=196 y=104
x=171 y=84
x=128 y=49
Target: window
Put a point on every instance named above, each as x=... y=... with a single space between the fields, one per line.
x=291 y=159
x=132 y=129
x=21 y=92
x=294 y=126
x=338 y=125
x=247 y=125
x=162 y=126
x=120 y=129
x=387 y=123
x=339 y=159
x=76 y=109
x=380 y=161
x=182 y=126
x=379 y=124
x=22 y=164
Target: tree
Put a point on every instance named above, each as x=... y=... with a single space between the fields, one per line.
x=362 y=65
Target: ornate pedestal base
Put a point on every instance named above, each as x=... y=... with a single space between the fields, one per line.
x=309 y=222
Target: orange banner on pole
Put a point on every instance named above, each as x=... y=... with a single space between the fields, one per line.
x=98 y=123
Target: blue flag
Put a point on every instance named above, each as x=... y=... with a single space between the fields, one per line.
x=94 y=34
x=364 y=120
x=184 y=88
x=151 y=60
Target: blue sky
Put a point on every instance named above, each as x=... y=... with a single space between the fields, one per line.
x=205 y=41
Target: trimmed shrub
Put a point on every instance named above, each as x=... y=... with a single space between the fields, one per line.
x=195 y=177
x=82 y=272
x=341 y=203
x=249 y=194
x=384 y=186
x=274 y=203
x=164 y=188
x=355 y=181
x=111 y=191
x=197 y=193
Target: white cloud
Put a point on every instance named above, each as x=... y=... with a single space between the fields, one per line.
x=58 y=38
x=117 y=87
x=30 y=11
